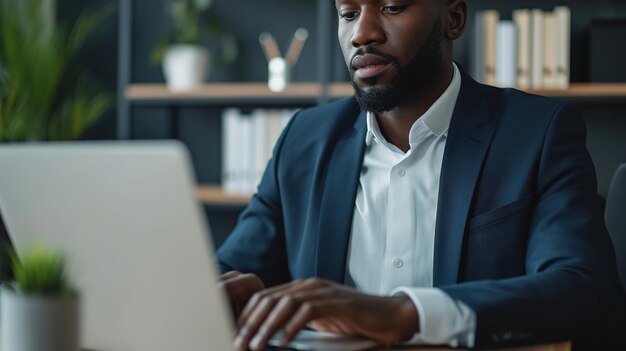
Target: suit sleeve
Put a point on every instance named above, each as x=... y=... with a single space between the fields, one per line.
x=570 y=290
x=257 y=244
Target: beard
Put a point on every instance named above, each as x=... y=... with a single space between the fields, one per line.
x=412 y=79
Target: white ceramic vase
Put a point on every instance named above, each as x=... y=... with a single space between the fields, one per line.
x=39 y=323
x=185 y=66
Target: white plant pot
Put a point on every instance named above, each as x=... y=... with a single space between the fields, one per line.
x=185 y=66
x=39 y=323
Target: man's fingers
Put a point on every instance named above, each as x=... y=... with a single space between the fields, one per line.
x=260 y=295
x=239 y=288
x=229 y=275
x=306 y=313
x=282 y=312
x=254 y=321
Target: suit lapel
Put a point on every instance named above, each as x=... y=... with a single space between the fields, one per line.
x=469 y=137
x=337 y=204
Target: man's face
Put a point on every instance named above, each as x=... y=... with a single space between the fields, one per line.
x=392 y=48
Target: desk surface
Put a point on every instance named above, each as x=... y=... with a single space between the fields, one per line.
x=564 y=346
x=561 y=346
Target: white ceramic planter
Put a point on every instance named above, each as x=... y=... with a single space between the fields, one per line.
x=185 y=66
x=39 y=323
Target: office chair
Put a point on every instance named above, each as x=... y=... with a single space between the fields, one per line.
x=615 y=218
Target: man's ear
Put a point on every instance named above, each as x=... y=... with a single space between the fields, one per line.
x=455 y=19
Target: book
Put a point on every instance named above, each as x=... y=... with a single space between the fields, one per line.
x=522 y=23
x=230 y=149
x=564 y=20
x=274 y=129
x=285 y=117
x=490 y=22
x=245 y=161
x=260 y=123
x=247 y=144
x=550 y=50
x=506 y=54
x=537 y=47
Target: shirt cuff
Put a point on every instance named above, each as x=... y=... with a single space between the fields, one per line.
x=442 y=320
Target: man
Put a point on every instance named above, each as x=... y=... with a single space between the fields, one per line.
x=426 y=209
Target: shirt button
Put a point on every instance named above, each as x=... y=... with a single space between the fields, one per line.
x=397 y=262
x=401 y=172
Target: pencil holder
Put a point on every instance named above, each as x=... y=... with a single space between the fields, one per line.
x=279 y=68
x=279 y=74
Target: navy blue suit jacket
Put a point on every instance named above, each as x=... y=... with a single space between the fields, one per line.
x=519 y=236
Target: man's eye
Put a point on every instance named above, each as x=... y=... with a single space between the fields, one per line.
x=394 y=9
x=349 y=15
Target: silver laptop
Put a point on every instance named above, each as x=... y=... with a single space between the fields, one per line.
x=136 y=241
x=139 y=250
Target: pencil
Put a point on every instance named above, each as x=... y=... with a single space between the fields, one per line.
x=270 y=48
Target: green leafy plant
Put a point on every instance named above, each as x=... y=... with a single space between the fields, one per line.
x=44 y=93
x=41 y=271
x=192 y=23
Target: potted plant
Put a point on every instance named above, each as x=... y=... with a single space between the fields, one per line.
x=40 y=311
x=44 y=92
x=183 y=52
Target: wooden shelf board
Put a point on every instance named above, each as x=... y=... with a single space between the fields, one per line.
x=215 y=195
x=217 y=91
x=574 y=90
x=587 y=90
x=339 y=90
x=310 y=91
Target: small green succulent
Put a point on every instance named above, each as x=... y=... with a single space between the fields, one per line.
x=40 y=271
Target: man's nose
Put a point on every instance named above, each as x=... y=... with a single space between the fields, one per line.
x=368 y=30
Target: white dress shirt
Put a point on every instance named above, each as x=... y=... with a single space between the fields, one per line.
x=393 y=228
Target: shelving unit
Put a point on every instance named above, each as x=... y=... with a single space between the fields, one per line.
x=252 y=95
x=255 y=94
x=220 y=95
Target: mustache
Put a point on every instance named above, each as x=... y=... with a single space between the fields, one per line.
x=373 y=51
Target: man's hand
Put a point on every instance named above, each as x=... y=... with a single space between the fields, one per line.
x=324 y=306
x=239 y=288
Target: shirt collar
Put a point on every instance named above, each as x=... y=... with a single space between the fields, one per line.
x=436 y=118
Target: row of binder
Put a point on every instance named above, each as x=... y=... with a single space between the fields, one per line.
x=247 y=143
x=531 y=51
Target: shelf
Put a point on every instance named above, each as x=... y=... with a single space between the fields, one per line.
x=589 y=93
x=307 y=94
x=239 y=94
x=587 y=90
x=215 y=195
